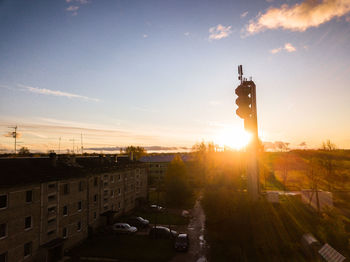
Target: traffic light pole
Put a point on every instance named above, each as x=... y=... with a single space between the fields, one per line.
x=247 y=110
x=252 y=151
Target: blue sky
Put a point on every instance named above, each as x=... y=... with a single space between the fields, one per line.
x=164 y=72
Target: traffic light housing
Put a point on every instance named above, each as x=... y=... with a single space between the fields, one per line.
x=244 y=101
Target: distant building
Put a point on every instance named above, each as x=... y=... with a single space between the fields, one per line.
x=158 y=164
x=48 y=205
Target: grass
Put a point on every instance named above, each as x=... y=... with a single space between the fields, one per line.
x=126 y=247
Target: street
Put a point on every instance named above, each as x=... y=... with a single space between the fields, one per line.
x=198 y=246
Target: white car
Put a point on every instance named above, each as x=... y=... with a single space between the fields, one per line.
x=123 y=228
x=157 y=208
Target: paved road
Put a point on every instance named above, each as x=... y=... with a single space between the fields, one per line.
x=198 y=246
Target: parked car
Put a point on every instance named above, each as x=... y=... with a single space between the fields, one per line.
x=138 y=222
x=123 y=228
x=162 y=232
x=157 y=208
x=182 y=242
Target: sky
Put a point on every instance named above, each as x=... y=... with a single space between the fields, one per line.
x=112 y=73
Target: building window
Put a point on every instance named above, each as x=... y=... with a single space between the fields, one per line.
x=119 y=177
x=51 y=198
x=3 y=257
x=3 y=231
x=95 y=198
x=112 y=179
x=50 y=233
x=112 y=193
x=79 y=226
x=81 y=186
x=3 y=201
x=96 y=181
x=79 y=206
x=64 y=232
x=66 y=189
x=65 y=210
x=29 y=196
x=27 y=249
x=105 y=193
x=51 y=186
x=119 y=191
x=27 y=222
x=51 y=221
x=51 y=210
x=95 y=215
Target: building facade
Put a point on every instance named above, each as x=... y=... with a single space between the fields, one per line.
x=62 y=206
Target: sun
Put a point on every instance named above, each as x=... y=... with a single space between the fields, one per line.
x=232 y=137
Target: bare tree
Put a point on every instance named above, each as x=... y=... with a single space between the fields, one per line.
x=314 y=175
x=328 y=163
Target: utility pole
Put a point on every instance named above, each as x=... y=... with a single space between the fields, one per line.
x=14 y=134
x=73 y=143
x=81 y=142
x=59 y=145
x=247 y=110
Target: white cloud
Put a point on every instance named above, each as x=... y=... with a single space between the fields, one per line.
x=144 y=36
x=187 y=33
x=219 y=32
x=287 y=47
x=276 y=50
x=244 y=14
x=44 y=91
x=298 y=17
x=72 y=8
x=82 y=2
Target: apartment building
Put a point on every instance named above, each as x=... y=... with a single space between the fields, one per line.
x=158 y=165
x=47 y=207
x=19 y=221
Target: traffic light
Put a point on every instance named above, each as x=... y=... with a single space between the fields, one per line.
x=244 y=101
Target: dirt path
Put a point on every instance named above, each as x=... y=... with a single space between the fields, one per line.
x=198 y=247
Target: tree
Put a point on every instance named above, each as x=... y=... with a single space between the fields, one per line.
x=328 y=146
x=136 y=151
x=328 y=163
x=314 y=175
x=24 y=151
x=177 y=190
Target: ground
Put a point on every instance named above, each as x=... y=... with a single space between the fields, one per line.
x=139 y=247
x=196 y=229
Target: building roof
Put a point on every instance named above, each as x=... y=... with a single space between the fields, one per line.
x=164 y=158
x=31 y=170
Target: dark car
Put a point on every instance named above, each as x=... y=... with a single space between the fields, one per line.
x=162 y=232
x=138 y=222
x=182 y=242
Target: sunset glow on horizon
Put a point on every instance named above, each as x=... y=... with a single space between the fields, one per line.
x=163 y=73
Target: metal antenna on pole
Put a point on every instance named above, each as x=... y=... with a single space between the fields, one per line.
x=81 y=141
x=240 y=73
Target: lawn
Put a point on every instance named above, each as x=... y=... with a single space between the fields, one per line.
x=126 y=247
